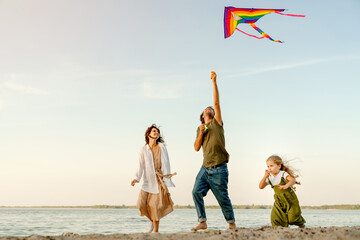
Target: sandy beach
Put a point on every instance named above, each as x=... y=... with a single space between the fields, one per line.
x=268 y=233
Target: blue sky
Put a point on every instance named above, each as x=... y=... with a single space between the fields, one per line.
x=80 y=82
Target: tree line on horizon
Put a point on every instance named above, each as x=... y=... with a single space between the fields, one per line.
x=323 y=207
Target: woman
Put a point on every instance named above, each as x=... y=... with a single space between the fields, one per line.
x=154 y=199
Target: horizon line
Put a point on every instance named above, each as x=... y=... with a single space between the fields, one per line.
x=175 y=206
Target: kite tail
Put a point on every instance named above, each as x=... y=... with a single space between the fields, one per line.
x=249 y=34
x=290 y=15
x=262 y=33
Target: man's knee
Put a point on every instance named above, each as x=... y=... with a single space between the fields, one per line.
x=198 y=193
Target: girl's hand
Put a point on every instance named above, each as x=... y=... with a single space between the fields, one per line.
x=267 y=173
x=283 y=186
x=133 y=182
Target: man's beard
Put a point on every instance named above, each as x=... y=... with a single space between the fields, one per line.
x=209 y=114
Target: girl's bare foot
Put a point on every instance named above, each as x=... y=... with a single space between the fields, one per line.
x=201 y=226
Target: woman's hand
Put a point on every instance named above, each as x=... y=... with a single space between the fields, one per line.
x=133 y=182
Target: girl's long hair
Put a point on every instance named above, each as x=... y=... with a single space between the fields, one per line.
x=284 y=166
x=148 y=131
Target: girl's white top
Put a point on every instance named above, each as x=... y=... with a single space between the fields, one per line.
x=275 y=180
x=146 y=169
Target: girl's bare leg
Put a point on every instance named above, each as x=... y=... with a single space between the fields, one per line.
x=156 y=226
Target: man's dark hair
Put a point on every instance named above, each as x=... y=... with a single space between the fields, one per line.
x=202 y=115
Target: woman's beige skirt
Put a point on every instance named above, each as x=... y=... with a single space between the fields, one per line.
x=155 y=206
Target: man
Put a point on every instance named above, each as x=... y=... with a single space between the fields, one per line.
x=213 y=174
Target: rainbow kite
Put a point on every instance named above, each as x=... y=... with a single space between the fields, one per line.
x=234 y=16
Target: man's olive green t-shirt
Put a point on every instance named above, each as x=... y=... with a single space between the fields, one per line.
x=213 y=145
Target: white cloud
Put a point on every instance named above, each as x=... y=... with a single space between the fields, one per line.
x=294 y=65
x=160 y=90
x=15 y=76
x=24 y=89
x=120 y=74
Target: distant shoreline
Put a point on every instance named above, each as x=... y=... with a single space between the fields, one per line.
x=322 y=207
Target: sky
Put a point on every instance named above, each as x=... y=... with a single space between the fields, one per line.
x=81 y=80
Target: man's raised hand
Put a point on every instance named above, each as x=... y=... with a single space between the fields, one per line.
x=213 y=76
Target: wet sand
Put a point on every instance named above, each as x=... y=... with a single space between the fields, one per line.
x=268 y=233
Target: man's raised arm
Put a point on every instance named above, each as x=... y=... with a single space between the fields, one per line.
x=217 y=117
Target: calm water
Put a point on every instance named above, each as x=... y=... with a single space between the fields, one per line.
x=107 y=221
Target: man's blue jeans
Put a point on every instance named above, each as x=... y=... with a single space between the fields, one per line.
x=216 y=180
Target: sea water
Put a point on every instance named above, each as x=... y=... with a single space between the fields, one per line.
x=40 y=221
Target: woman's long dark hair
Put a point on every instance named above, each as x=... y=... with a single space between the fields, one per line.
x=148 y=131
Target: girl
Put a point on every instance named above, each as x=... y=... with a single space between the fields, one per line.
x=154 y=200
x=286 y=210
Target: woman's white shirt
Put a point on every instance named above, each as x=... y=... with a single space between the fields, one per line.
x=146 y=169
x=275 y=180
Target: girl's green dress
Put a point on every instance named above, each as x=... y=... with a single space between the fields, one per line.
x=286 y=210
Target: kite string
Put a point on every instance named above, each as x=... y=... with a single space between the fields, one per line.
x=291 y=15
x=250 y=34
